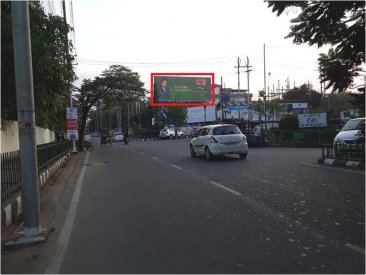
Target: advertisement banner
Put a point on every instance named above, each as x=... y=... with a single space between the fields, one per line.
x=312 y=120
x=72 y=123
x=182 y=89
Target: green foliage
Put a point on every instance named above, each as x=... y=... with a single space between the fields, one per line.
x=335 y=103
x=117 y=84
x=289 y=122
x=51 y=72
x=274 y=106
x=337 y=23
x=177 y=116
x=304 y=93
x=334 y=71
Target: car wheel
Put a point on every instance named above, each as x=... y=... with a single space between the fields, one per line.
x=193 y=154
x=171 y=137
x=208 y=154
x=243 y=156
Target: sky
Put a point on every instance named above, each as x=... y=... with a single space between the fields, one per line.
x=198 y=36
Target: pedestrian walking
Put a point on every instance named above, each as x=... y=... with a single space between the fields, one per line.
x=257 y=134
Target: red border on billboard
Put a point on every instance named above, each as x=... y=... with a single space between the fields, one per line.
x=212 y=103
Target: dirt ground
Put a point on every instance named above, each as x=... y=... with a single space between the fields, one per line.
x=55 y=197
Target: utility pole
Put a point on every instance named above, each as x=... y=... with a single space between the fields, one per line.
x=222 y=103
x=32 y=232
x=265 y=93
x=238 y=67
x=73 y=143
x=248 y=99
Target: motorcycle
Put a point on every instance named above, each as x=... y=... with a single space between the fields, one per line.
x=125 y=140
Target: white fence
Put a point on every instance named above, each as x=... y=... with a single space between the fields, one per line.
x=10 y=136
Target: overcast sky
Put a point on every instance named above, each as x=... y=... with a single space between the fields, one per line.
x=191 y=36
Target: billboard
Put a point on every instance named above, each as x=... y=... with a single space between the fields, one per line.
x=197 y=114
x=182 y=89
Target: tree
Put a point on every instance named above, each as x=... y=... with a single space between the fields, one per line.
x=335 y=103
x=51 y=72
x=275 y=107
x=118 y=83
x=340 y=24
x=177 y=116
x=304 y=93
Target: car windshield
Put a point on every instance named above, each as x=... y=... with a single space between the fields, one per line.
x=352 y=125
x=226 y=130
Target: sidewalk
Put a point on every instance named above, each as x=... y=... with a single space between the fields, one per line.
x=55 y=198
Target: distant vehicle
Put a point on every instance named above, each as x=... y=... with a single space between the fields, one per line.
x=351 y=134
x=169 y=132
x=220 y=139
x=117 y=136
x=95 y=134
x=187 y=131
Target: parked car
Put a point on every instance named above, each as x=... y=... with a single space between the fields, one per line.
x=220 y=139
x=168 y=132
x=117 y=136
x=351 y=134
x=187 y=131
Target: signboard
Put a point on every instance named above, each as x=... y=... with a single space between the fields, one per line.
x=312 y=120
x=72 y=123
x=182 y=89
x=237 y=107
x=299 y=105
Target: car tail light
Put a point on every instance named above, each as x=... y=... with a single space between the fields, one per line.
x=213 y=140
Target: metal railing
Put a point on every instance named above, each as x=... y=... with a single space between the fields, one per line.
x=304 y=137
x=10 y=175
x=50 y=152
x=10 y=166
x=345 y=151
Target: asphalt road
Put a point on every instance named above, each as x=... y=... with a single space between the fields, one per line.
x=148 y=207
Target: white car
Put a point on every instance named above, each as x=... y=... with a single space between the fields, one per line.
x=169 y=133
x=219 y=139
x=351 y=134
x=117 y=136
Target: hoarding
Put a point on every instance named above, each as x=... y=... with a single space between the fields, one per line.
x=312 y=120
x=182 y=89
x=197 y=114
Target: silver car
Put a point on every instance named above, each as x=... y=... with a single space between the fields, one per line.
x=220 y=139
x=350 y=136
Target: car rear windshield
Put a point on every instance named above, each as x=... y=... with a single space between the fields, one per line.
x=352 y=125
x=226 y=130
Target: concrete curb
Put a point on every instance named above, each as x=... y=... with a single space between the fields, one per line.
x=342 y=163
x=11 y=211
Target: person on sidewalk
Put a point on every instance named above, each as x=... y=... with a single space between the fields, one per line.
x=257 y=134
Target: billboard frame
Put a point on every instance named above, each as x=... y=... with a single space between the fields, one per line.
x=212 y=103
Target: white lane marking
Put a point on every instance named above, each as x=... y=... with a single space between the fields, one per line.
x=225 y=188
x=64 y=237
x=355 y=248
x=175 y=166
x=142 y=153
x=332 y=167
x=155 y=158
